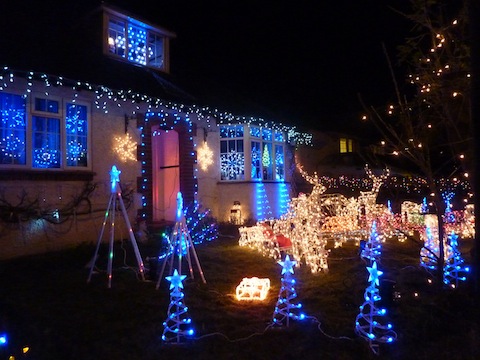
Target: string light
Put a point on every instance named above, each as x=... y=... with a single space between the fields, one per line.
x=125 y=147
x=204 y=156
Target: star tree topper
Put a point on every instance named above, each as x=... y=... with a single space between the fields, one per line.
x=114 y=177
x=176 y=280
x=374 y=274
x=287 y=265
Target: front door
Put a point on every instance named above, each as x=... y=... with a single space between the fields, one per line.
x=166 y=174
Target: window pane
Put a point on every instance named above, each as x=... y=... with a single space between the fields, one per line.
x=255 y=131
x=116 y=37
x=256 y=154
x=279 y=163
x=76 y=126
x=279 y=136
x=12 y=129
x=155 y=50
x=267 y=162
x=239 y=131
x=232 y=160
x=343 y=145
x=46 y=105
x=231 y=131
x=137 y=44
x=267 y=134
x=46 y=150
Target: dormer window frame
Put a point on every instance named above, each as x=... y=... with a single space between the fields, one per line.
x=126 y=27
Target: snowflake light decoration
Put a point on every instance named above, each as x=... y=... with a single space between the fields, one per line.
x=232 y=164
x=125 y=147
x=204 y=156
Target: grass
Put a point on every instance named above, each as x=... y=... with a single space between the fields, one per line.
x=46 y=304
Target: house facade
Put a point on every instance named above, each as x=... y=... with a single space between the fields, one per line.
x=117 y=106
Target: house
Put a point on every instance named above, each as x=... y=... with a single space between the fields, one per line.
x=87 y=85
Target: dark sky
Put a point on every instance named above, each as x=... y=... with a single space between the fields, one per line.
x=304 y=61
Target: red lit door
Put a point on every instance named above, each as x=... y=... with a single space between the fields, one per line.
x=166 y=174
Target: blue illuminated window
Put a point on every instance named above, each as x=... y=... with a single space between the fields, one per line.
x=13 y=126
x=279 y=163
x=136 y=42
x=265 y=155
x=267 y=161
x=232 y=156
x=76 y=134
x=256 y=154
x=58 y=135
x=46 y=145
x=255 y=131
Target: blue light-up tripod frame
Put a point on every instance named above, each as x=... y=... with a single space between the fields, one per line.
x=180 y=242
x=115 y=195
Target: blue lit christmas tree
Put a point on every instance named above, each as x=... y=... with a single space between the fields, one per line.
x=203 y=227
x=454 y=269
x=368 y=323
x=430 y=250
x=373 y=246
x=285 y=309
x=177 y=326
x=424 y=207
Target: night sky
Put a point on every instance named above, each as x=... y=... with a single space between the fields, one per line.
x=302 y=62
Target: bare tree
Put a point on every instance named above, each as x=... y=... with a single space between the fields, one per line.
x=430 y=124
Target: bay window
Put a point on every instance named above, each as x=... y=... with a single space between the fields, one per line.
x=262 y=160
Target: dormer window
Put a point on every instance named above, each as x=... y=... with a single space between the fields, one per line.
x=135 y=41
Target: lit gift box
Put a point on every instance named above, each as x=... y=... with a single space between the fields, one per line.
x=253 y=289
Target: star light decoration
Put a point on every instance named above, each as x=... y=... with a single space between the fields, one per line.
x=368 y=322
x=204 y=156
x=285 y=309
x=232 y=165
x=177 y=326
x=125 y=147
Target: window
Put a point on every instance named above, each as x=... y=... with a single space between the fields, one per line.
x=54 y=137
x=232 y=157
x=265 y=154
x=346 y=145
x=46 y=148
x=13 y=126
x=136 y=42
x=76 y=120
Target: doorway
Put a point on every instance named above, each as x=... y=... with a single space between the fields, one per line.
x=165 y=174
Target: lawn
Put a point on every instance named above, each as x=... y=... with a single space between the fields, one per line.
x=47 y=305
